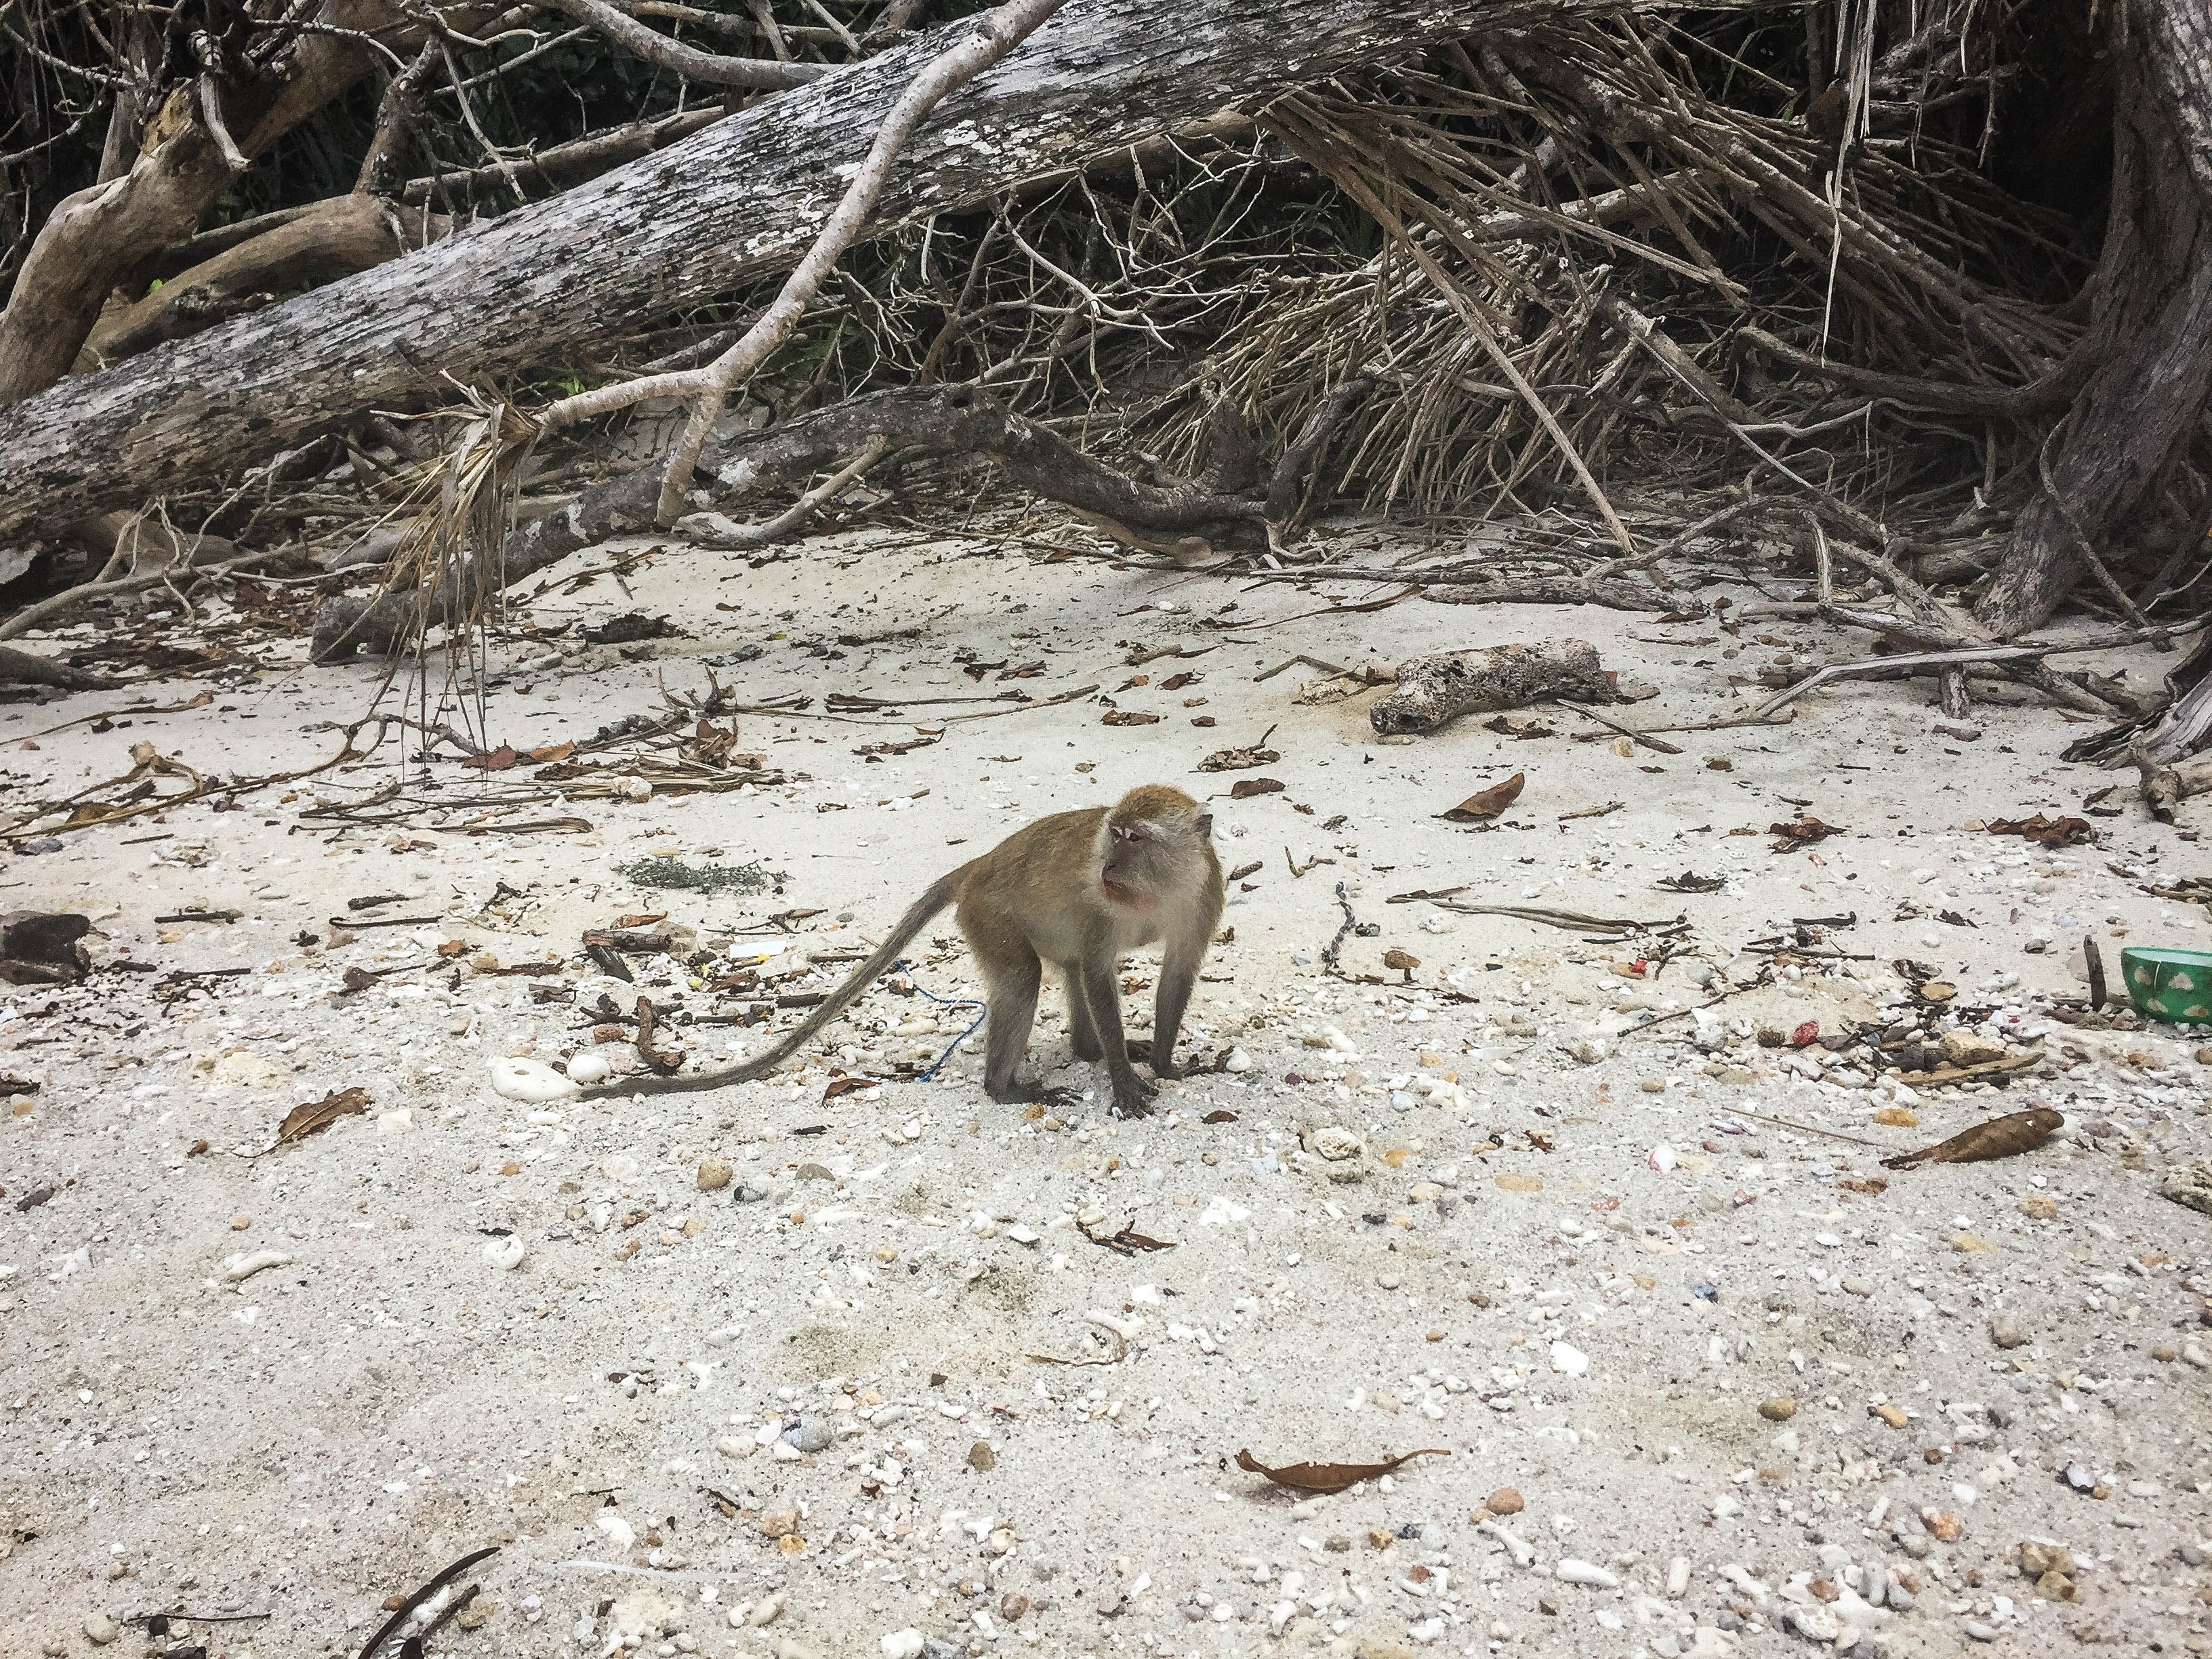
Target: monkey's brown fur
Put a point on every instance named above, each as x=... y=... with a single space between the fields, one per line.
x=1075 y=890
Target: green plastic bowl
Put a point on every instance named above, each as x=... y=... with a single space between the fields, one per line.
x=2168 y=984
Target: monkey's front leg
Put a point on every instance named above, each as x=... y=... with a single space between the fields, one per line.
x=1133 y=1096
x=1178 y=972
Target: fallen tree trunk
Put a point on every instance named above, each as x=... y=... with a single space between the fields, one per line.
x=732 y=203
x=2150 y=328
x=1226 y=505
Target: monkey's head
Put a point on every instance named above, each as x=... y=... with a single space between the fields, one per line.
x=1155 y=843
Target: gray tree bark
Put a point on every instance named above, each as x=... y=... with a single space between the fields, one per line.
x=2150 y=332
x=732 y=203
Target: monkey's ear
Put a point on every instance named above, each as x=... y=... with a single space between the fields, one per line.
x=1205 y=824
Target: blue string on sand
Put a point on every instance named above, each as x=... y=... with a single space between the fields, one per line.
x=938 y=1064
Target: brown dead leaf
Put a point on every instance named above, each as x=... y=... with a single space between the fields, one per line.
x=1129 y=1242
x=1489 y=803
x=454 y=947
x=1176 y=682
x=303 y=1120
x=641 y=919
x=1129 y=717
x=1329 y=1477
x=496 y=760
x=547 y=754
x=1802 y=832
x=1245 y=789
x=1219 y=1114
x=846 y=1086
x=1999 y=1137
x=2044 y=831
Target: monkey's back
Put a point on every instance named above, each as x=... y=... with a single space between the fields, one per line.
x=1019 y=891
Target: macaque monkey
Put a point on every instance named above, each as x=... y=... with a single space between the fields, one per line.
x=1075 y=890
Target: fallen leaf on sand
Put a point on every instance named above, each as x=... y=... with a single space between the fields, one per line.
x=1802 y=832
x=1129 y=717
x=1329 y=1477
x=303 y=1120
x=846 y=1086
x=495 y=760
x=2045 y=832
x=1220 y=1115
x=1489 y=803
x=551 y=752
x=1245 y=789
x=2000 y=1137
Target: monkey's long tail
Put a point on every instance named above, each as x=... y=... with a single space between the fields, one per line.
x=917 y=917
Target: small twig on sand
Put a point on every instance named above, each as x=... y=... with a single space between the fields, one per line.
x=1310 y=662
x=1650 y=742
x=1019 y=708
x=1962 y=655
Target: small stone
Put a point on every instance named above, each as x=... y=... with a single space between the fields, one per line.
x=1980 y=1632
x=1506 y=1500
x=2006 y=1332
x=903 y=1644
x=1970 y=1048
x=1780 y=1409
x=810 y=1434
x=477 y=1614
x=2191 y=1186
x=2036 y=1207
x=100 y=1630
x=980 y=1457
x=1942 y=1525
x=1898 y=1117
x=1652 y=1085
x=1892 y=1414
x=779 y=1523
x=1012 y=1605
x=1336 y=1144
x=815 y=1172
x=714 y=1174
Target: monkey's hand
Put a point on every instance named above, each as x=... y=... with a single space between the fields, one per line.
x=1132 y=1096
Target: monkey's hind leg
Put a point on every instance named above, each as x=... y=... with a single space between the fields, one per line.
x=1011 y=976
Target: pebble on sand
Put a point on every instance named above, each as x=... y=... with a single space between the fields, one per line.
x=1780 y=1409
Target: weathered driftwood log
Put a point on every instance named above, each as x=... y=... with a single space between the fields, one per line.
x=1434 y=689
x=1226 y=505
x=737 y=202
x=28 y=668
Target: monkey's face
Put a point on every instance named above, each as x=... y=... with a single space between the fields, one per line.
x=1142 y=858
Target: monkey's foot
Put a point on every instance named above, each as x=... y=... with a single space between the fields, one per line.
x=1141 y=1048
x=1134 y=1099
